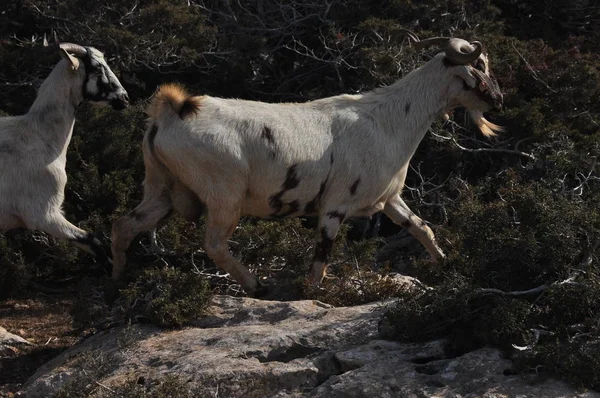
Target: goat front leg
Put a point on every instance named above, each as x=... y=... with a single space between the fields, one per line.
x=398 y=211
x=59 y=227
x=329 y=225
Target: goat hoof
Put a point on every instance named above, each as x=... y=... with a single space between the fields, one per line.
x=108 y=266
x=261 y=290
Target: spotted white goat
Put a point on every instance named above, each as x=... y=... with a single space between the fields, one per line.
x=336 y=157
x=33 y=146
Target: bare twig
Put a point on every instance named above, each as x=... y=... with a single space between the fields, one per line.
x=105 y=387
x=496 y=150
x=569 y=281
x=533 y=72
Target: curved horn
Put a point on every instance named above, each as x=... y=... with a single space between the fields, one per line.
x=457 y=50
x=460 y=51
x=433 y=41
x=411 y=35
x=73 y=48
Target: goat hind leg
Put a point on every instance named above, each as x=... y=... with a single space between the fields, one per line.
x=329 y=225
x=186 y=204
x=220 y=224
x=398 y=211
x=153 y=211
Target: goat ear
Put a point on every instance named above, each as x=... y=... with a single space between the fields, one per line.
x=72 y=60
x=465 y=74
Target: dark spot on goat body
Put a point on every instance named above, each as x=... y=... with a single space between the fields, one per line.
x=331 y=159
x=336 y=214
x=354 y=186
x=407 y=108
x=244 y=125
x=312 y=206
x=324 y=246
x=406 y=224
x=267 y=134
x=292 y=208
x=276 y=203
x=291 y=179
x=291 y=182
x=269 y=137
x=6 y=149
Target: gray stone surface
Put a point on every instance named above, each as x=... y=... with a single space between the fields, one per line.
x=254 y=348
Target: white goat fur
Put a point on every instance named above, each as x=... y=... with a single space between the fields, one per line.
x=33 y=150
x=347 y=155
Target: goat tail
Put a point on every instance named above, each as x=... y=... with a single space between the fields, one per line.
x=172 y=99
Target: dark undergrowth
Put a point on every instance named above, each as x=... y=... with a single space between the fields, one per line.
x=518 y=217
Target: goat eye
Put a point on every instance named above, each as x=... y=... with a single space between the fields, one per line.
x=480 y=66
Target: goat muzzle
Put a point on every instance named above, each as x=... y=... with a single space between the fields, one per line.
x=121 y=102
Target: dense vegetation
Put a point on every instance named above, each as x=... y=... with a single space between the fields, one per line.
x=518 y=215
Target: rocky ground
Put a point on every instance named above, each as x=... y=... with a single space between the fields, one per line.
x=254 y=348
x=32 y=331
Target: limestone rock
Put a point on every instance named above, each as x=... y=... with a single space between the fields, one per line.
x=254 y=348
x=480 y=373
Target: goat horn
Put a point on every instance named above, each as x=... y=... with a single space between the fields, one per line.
x=433 y=41
x=459 y=51
x=73 y=48
x=411 y=35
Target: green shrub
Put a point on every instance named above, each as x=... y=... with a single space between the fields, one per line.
x=171 y=386
x=14 y=272
x=514 y=236
x=166 y=297
x=91 y=366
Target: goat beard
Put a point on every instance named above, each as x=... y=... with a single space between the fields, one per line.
x=486 y=127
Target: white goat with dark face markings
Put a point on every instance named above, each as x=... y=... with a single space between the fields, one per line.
x=33 y=147
x=336 y=157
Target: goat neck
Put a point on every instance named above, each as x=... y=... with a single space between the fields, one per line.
x=53 y=111
x=406 y=109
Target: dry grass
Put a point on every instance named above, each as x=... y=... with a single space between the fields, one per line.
x=44 y=321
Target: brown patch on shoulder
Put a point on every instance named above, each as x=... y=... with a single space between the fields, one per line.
x=190 y=106
x=173 y=97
